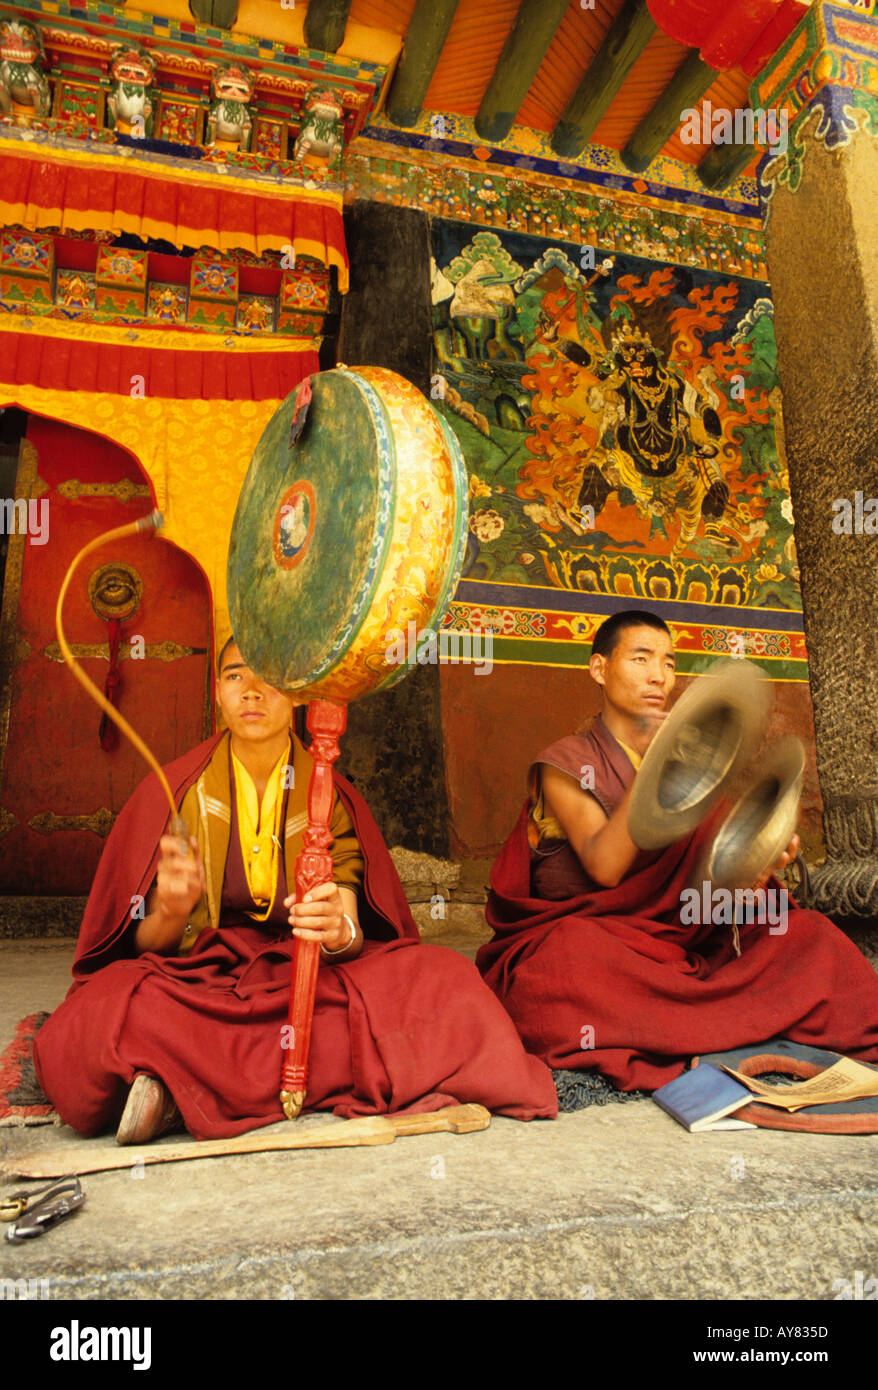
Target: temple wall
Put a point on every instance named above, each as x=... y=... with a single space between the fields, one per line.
x=568 y=522
x=602 y=345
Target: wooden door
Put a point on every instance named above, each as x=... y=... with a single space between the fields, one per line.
x=59 y=789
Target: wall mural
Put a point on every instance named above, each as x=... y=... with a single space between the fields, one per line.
x=620 y=418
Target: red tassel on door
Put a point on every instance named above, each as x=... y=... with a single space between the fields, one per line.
x=108 y=733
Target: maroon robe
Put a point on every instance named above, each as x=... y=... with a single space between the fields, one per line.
x=610 y=980
x=402 y=1027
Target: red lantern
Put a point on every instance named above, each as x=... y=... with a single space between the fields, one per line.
x=740 y=33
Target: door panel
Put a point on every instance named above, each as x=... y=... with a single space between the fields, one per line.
x=60 y=791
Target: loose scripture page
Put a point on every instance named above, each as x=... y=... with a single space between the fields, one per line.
x=846 y=1080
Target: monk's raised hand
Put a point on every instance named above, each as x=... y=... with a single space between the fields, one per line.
x=648 y=724
x=787 y=857
x=180 y=881
x=320 y=917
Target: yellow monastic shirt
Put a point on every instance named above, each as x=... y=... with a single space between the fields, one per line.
x=207 y=807
x=259 y=827
x=636 y=758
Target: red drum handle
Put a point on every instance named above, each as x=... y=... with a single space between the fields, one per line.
x=326 y=724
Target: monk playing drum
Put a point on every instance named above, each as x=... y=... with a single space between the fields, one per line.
x=177 y=1014
x=594 y=955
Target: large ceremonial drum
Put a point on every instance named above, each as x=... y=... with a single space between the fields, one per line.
x=349 y=535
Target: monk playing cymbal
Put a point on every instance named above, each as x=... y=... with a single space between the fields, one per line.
x=596 y=953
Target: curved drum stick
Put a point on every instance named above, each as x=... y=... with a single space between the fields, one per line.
x=146 y=523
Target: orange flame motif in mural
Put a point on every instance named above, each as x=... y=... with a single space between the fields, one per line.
x=634 y=419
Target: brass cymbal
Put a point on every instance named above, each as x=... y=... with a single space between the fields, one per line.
x=708 y=736
x=762 y=822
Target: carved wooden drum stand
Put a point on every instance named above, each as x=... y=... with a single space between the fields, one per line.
x=351 y=525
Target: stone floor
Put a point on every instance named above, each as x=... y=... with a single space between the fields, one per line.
x=609 y=1203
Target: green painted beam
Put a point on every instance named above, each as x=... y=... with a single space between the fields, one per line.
x=427 y=32
x=325 y=24
x=623 y=44
x=220 y=14
x=525 y=48
x=723 y=163
x=685 y=89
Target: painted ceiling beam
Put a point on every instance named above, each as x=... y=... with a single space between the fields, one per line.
x=723 y=163
x=421 y=50
x=623 y=44
x=325 y=24
x=525 y=48
x=692 y=79
x=220 y=14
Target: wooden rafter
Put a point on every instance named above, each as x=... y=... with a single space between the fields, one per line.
x=426 y=34
x=219 y=14
x=688 y=85
x=325 y=24
x=623 y=44
x=526 y=45
x=723 y=163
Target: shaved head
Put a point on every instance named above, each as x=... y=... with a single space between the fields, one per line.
x=230 y=642
x=606 y=639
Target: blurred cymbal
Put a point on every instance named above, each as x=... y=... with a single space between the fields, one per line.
x=762 y=822
x=713 y=729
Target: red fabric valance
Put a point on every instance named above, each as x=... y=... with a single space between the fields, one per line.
x=69 y=364
x=86 y=191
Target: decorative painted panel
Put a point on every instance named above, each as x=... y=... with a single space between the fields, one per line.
x=653 y=220
x=79 y=105
x=120 y=279
x=621 y=421
x=305 y=288
x=167 y=303
x=181 y=122
x=75 y=289
x=255 y=313
x=119 y=266
x=214 y=278
x=26 y=264
x=270 y=138
x=26 y=254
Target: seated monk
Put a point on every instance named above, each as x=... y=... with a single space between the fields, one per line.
x=595 y=953
x=182 y=970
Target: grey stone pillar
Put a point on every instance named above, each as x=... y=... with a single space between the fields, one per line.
x=822 y=254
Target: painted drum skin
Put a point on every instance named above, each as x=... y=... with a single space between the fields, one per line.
x=346 y=536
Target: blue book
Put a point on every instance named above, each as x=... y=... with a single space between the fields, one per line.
x=704 y=1098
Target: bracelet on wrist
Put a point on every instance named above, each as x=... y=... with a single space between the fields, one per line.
x=340 y=950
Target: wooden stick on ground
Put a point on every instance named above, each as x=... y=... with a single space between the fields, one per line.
x=372 y=1129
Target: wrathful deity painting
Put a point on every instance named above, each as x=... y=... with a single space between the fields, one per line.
x=620 y=419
